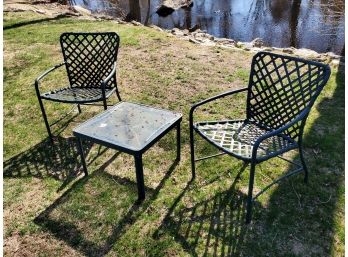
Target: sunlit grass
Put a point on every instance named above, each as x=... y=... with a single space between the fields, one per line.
x=52 y=211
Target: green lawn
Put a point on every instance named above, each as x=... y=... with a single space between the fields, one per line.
x=50 y=209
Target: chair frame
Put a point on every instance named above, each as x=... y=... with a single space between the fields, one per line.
x=300 y=118
x=104 y=82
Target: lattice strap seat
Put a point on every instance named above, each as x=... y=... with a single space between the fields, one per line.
x=77 y=94
x=238 y=137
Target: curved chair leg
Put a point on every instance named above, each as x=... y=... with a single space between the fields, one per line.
x=45 y=119
x=304 y=166
x=118 y=94
x=192 y=148
x=250 y=192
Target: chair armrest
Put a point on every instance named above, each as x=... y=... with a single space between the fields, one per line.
x=299 y=117
x=214 y=98
x=105 y=81
x=37 y=80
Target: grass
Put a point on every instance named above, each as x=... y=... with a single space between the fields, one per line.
x=51 y=210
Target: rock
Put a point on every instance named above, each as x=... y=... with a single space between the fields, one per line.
x=202 y=38
x=82 y=10
x=268 y=49
x=288 y=51
x=169 y=6
x=332 y=55
x=186 y=32
x=103 y=17
x=307 y=53
x=72 y=9
x=194 y=28
x=205 y=35
x=257 y=42
x=240 y=44
x=194 y=41
x=67 y=14
x=225 y=41
x=199 y=39
x=155 y=27
x=199 y=36
x=40 y=11
x=136 y=23
x=319 y=59
x=247 y=45
x=177 y=32
x=116 y=20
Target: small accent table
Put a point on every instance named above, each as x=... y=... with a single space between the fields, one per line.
x=131 y=128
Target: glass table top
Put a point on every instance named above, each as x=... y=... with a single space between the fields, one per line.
x=128 y=125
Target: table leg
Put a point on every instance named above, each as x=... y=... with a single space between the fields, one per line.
x=79 y=146
x=140 y=176
x=178 y=143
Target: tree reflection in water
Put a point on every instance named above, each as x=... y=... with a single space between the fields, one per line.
x=314 y=24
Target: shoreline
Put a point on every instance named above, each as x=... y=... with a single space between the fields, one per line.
x=196 y=37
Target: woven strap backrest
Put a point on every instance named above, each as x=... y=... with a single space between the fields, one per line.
x=281 y=87
x=90 y=57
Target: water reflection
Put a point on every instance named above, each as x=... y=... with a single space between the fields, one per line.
x=134 y=11
x=314 y=24
x=294 y=16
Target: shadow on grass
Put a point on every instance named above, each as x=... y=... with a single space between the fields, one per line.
x=212 y=227
x=298 y=219
x=97 y=210
x=60 y=160
x=304 y=219
x=25 y=23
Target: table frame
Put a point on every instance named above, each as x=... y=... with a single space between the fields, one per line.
x=137 y=154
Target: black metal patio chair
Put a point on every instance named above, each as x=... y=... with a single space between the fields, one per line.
x=280 y=94
x=90 y=62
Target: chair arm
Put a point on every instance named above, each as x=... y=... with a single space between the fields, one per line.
x=214 y=98
x=105 y=81
x=299 y=117
x=37 y=80
x=109 y=76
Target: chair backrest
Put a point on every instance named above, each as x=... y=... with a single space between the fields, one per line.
x=90 y=57
x=281 y=87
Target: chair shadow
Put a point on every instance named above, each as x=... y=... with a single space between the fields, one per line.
x=123 y=190
x=212 y=227
x=60 y=160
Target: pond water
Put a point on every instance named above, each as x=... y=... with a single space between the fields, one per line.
x=313 y=24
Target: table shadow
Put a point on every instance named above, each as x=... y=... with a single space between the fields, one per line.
x=101 y=195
